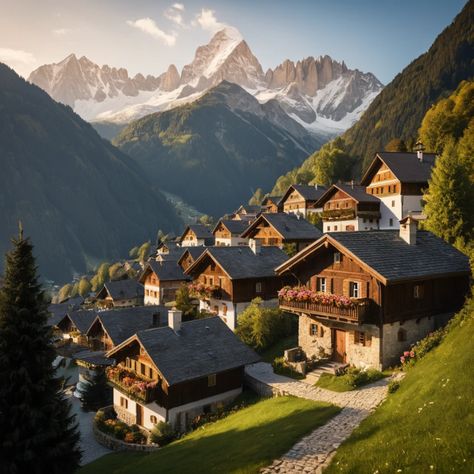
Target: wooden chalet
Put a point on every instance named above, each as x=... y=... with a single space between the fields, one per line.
x=227 y=279
x=119 y=294
x=228 y=233
x=271 y=205
x=373 y=293
x=246 y=213
x=301 y=199
x=196 y=235
x=347 y=207
x=110 y=328
x=161 y=280
x=74 y=325
x=189 y=256
x=398 y=180
x=280 y=229
x=180 y=371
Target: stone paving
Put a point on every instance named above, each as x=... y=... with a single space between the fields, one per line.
x=314 y=452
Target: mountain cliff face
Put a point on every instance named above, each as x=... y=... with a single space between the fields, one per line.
x=216 y=151
x=79 y=198
x=322 y=94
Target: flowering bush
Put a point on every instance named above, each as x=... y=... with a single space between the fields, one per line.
x=421 y=348
x=129 y=380
x=303 y=294
x=200 y=290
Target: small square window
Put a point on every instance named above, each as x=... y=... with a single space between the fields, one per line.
x=390 y=222
x=393 y=203
x=123 y=402
x=313 y=329
x=153 y=419
x=335 y=227
x=211 y=380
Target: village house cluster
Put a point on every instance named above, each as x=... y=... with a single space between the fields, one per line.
x=364 y=288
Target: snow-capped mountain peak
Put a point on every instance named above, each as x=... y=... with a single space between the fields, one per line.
x=319 y=93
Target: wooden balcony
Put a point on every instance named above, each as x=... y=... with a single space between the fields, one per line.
x=136 y=390
x=355 y=314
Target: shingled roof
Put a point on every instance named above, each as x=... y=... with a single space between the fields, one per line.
x=234 y=227
x=356 y=192
x=82 y=319
x=121 y=289
x=241 y=262
x=288 y=226
x=122 y=323
x=200 y=348
x=168 y=270
x=405 y=166
x=201 y=231
x=393 y=259
x=309 y=192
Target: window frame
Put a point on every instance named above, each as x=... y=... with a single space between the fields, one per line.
x=212 y=380
x=354 y=289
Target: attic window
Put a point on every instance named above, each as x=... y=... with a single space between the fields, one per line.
x=211 y=380
x=337 y=257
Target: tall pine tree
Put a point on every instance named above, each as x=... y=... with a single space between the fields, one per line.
x=38 y=434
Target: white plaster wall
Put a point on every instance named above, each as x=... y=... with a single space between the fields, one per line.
x=411 y=204
x=341 y=225
x=132 y=405
x=153 y=409
x=151 y=299
x=232 y=241
x=388 y=211
x=192 y=243
x=229 y=318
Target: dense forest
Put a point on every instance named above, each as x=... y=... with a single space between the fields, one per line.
x=79 y=198
x=397 y=112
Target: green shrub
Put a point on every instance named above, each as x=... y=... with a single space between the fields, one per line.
x=282 y=368
x=357 y=377
x=260 y=327
x=121 y=430
x=136 y=437
x=393 y=386
x=162 y=433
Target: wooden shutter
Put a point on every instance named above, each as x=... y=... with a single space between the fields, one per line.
x=345 y=287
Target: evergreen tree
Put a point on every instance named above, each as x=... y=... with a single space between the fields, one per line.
x=449 y=198
x=84 y=287
x=97 y=393
x=396 y=144
x=38 y=433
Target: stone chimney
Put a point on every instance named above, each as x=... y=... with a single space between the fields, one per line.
x=408 y=228
x=174 y=319
x=255 y=245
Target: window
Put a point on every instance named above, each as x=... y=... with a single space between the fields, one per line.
x=211 y=380
x=390 y=222
x=153 y=419
x=123 y=402
x=150 y=372
x=211 y=281
x=402 y=335
x=329 y=228
x=354 y=289
x=221 y=282
x=205 y=280
x=418 y=292
x=313 y=329
x=224 y=310
x=321 y=285
x=337 y=257
x=393 y=203
x=216 y=309
x=147 y=292
x=258 y=287
x=394 y=188
x=335 y=227
x=142 y=369
x=362 y=339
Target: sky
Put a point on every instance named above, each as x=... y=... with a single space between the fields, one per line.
x=146 y=36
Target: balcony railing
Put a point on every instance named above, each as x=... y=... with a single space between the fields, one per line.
x=356 y=313
x=139 y=389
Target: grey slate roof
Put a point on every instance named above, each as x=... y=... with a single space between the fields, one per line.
x=234 y=227
x=405 y=166
x=289 y=226
x=357 y=192
x=309 y=192
x=122 y=323
x=93 y=357
x=82 y=319
x=240 y=262
x=59 y=310
x=390 y=256
x=195 y=252
x=123 y=289
x=201 y=347
x=167 y=270
x=201 y=231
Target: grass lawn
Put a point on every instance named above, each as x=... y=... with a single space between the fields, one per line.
x=343 y=383
x=425 y=426
x=241 y=443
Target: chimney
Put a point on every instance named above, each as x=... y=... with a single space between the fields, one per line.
x=352 y=183
x=419 y=148
x=316 y=186
x=174 y=319
x=255 y=245
x=408 y=228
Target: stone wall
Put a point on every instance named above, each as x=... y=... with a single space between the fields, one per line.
x=125 y=415
x=413 y=331
x=117 y=445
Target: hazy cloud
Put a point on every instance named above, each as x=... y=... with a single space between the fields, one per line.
x=175 y=14
x=147 y=25
x=16 y=56
x=61 y=31
x=208 y=21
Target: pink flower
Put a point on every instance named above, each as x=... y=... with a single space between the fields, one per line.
x=406 y=354
x=412 y=354
x=402 y=359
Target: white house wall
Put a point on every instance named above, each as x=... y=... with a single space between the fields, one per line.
x=152 y=300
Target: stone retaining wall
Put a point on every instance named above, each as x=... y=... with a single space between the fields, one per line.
x=117 y=445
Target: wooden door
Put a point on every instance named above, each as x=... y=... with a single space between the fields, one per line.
x=139 y=414
x=339 y=354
